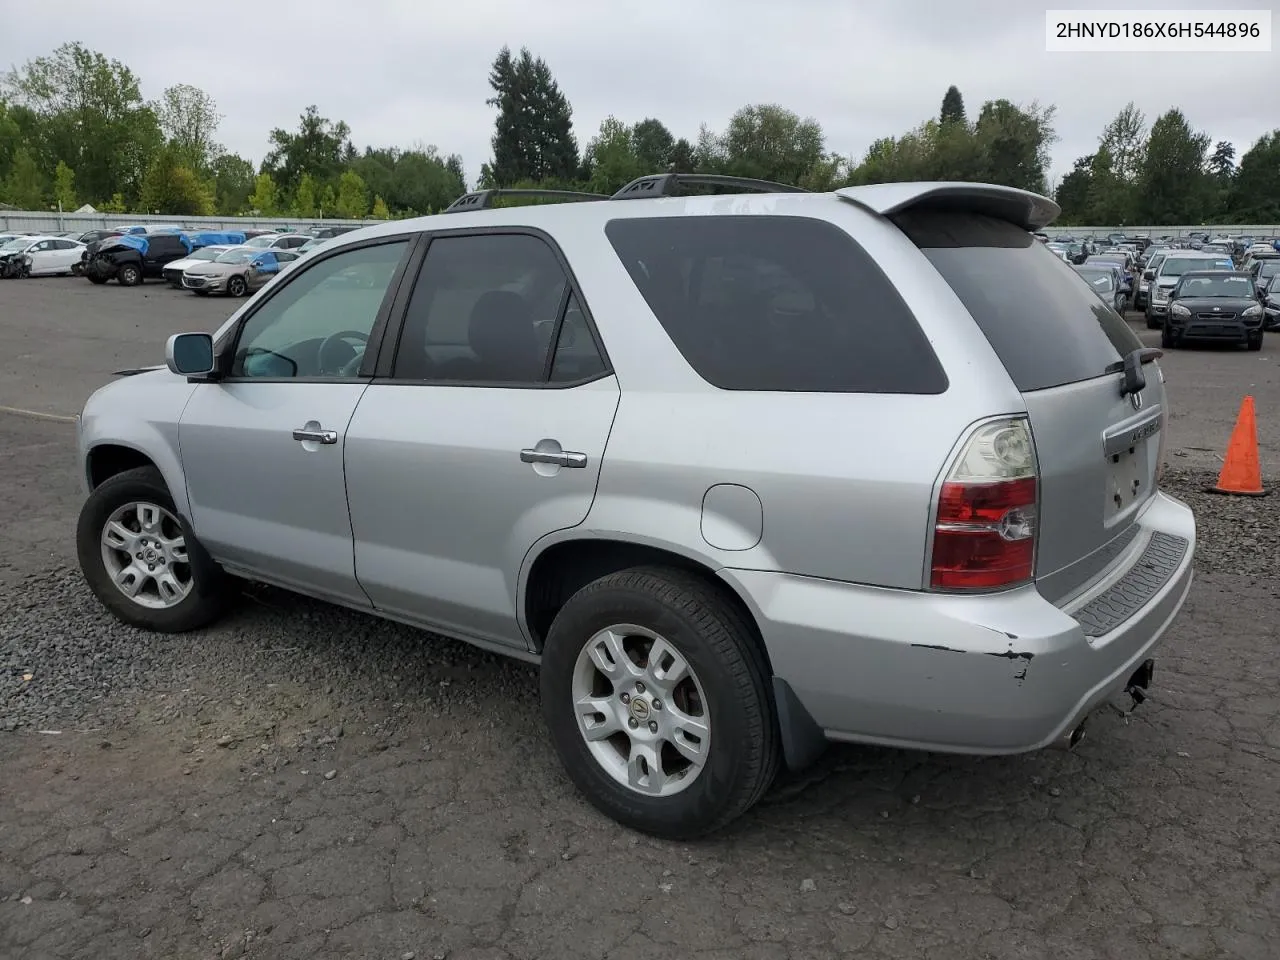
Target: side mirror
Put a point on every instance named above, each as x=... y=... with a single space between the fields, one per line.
x=189 y=354
x=1148 y=275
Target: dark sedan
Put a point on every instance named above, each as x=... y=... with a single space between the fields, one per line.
x=1271 y=305
x=1214 y=305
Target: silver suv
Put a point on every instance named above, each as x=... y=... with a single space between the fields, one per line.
x=743 y=473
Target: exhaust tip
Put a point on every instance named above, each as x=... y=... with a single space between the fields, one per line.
x=1069 y=740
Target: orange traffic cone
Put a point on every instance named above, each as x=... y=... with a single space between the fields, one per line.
x=1241 y=472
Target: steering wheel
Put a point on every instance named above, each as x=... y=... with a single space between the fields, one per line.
x=341 y=365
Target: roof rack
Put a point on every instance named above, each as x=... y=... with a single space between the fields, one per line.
x=483 y=199
x=667 y=184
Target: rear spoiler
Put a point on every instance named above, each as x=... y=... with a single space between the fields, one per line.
x=1024 y=209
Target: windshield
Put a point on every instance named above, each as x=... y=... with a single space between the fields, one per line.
x=1101 y=281
x=235 y=256
x=1177 y=266
x=206 y=253
x=263 y=241
x=1229 y=286
x=311 y=244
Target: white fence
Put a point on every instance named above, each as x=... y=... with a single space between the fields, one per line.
x=1213 y=229
x=26 y=221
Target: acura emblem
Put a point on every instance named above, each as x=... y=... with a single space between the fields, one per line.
x=1135 y=399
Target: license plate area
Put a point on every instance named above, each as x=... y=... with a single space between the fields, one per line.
x=1128 y=480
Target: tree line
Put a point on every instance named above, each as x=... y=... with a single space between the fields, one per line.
x=74 y=128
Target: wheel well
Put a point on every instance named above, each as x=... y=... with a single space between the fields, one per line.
x=564 y=569
x=108 y=460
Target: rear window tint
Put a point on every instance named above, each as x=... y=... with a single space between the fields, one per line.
x=1042 y=319
x=767 y=303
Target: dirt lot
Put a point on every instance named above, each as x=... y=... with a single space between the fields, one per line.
x=311 y=783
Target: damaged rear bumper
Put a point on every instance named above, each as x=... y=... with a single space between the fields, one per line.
x=996 y=674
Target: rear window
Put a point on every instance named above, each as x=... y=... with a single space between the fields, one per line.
x=1177 y=266
x=1043 y=321
x=786 y=304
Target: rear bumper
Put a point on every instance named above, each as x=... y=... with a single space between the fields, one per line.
x=999 y=674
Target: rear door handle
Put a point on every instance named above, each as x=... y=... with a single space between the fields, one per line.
x=559 y=458
x=315 y=433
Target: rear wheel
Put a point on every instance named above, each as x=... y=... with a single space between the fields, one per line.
x=129 y=275
x=139 y=559
x=655 y=691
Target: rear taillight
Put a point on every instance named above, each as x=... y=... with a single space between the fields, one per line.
x=985 y=534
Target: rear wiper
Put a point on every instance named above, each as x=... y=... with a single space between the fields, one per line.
x=1135 y=380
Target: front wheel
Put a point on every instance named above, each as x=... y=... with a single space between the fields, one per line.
x=129 y=275
x=139 y=559
x=1255 y=341
x=1153 y=322
x=236 y=287
x=655 y=691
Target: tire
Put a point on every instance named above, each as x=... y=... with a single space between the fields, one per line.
x=1254 y=342
x=236 y=287
x=129 y=275
x=730 y=692
x=96 y=280
x=1153 y=323
x=206 y=597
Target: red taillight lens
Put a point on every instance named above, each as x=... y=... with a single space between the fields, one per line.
x=985 y=534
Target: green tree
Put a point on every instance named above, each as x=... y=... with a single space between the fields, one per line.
x=115 y=205
x=265 y=196
x=766 y=141
x=328 y=201
x=1125 y=138
x=1222 y=164
x=653 y=144
x=1172 y=184
x=533 y=134
x=353 y=196
x=380 y=211
x=25 y=186
x=233 y=183
x=189 y=119
x=10 y=138
x=171 y=187
x=1256 y=190
x=953 y=108
x=90 y=114
x=1015 y=142
x=1073 y=191
x=320 y=147
x=683 y=158
x=611 y=158
x=304 y=198
x=64 y=187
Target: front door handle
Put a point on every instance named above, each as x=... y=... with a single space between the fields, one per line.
x=315 y=433
x=559 y=458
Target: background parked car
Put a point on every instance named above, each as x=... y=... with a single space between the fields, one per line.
x=1124 y=261
x=49 y=255
x=1171 y=268
x=1106 y=284
x=172 y=272
x=132 y=258
x=236 y=272
x=1214 y=305
x=277 y=241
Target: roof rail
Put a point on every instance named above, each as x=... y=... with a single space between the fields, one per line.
x=483 y=199
x=666 y=185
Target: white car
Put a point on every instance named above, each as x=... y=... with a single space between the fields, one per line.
x=277 y=241
x=172 y=272
x=49 y=255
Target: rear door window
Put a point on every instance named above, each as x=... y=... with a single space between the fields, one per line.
x=787 y=304
x=1042 y=320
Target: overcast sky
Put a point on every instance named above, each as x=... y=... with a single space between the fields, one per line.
x=406 y=71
